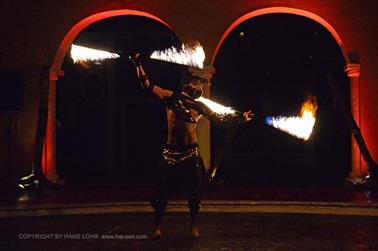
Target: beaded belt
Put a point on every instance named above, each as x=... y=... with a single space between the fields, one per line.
x=174 y=155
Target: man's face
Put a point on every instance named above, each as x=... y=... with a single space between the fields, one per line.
x=196 y=84
x=194 y=88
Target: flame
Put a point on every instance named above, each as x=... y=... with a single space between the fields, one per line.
x=300 y=126
x=215 y=107
x=187 y=55
x=84 y=54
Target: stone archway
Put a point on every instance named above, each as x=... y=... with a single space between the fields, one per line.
x=49 y=149
x=352 y=70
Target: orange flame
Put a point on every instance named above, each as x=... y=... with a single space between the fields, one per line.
x=84 y=54
x=190 y=55
x=309 y=105
x=299 y=126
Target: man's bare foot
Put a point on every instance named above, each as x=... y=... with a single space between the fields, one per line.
x=194 y=234
x=157 y=234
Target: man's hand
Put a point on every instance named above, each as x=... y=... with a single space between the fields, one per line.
x=248 y=116
x=136 y=58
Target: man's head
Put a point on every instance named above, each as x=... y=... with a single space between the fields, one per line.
x=193 y=86
x=193 y=82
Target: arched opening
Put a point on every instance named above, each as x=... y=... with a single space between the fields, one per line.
x=268 y=61
x=106 y=124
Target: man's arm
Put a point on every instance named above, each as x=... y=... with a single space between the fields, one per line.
x=169 y=98
x=234 y=118
x=145 y=82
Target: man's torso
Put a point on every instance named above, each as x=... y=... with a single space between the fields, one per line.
x=181 y=133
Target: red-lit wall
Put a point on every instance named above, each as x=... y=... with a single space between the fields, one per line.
x=31 y=32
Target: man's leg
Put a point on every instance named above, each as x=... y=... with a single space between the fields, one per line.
x=158 y=203
x=160 y=197
x=194 y=192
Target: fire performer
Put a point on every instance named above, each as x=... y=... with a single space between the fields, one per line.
x=181 y=165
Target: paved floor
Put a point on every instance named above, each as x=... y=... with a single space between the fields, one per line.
x=219 y=231
x=105 y=194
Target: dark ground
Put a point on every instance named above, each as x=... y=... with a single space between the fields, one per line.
x=219 y=231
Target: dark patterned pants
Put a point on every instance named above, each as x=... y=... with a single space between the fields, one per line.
x=179 y=171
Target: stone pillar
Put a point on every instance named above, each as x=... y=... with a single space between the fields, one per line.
x=49 y=148
x=204 y=140
x=353 y=71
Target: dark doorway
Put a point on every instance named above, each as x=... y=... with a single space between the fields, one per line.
x=269 y=64
x=109 y=130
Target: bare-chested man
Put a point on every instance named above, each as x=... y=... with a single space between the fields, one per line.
x=181 y=165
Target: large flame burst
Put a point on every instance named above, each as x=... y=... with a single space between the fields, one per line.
x=190 y=55
x=299 y=126
x=215 y=107
x=85 y=54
